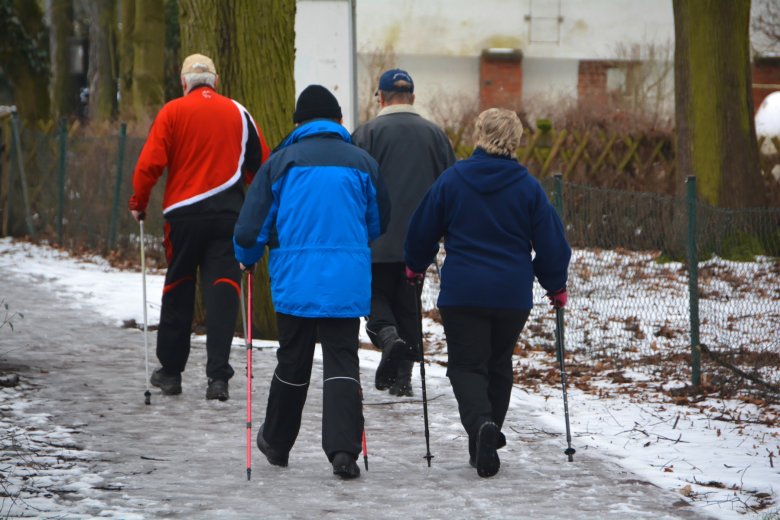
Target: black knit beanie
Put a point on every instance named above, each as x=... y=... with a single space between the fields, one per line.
x=316 y=102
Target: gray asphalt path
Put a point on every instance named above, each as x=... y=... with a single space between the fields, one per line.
x=184 y=457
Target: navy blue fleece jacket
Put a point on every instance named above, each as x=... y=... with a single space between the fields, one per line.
x=499 y=230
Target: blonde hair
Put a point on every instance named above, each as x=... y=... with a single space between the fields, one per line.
x=499 y=131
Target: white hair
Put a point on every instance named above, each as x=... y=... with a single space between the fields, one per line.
x=198 y=78
x=499 y=131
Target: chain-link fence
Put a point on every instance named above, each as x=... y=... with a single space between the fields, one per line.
x=634 y=302
x=70 y=187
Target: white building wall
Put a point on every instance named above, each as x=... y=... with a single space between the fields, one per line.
x=544 y=79
x=439 y=41
x=324 y=51
x=589 y=29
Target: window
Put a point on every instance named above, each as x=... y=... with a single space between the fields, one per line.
x=544 y=21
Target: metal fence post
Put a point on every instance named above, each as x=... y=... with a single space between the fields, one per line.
x=22 y=175
x=63 y=139
x=558 y=198
x=693 y=282
x=118 y=186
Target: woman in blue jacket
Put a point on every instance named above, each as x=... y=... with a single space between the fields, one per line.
x=316 y=203
x=500 y=231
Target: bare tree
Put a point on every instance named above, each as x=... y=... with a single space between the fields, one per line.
x=373 y=62
x=102 y=60
x=252 y=43
x=148 y=60
x=24 y=57
x=716 y=134
x=648 y=85
x=125 y=46
x=64 y=93
x=766 y=25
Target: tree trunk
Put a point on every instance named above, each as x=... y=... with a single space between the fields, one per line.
x=716 y=137
x=148 y=58
x=172 y=45
x=24 y=59
x=127 y=20
x=64 y=93
x=252 y=44
x=102 y=72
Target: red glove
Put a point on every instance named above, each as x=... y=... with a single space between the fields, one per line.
x=412 y=277
x=558 y=298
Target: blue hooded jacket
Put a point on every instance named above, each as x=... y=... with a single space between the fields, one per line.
x=492 y=214
x=317 y=203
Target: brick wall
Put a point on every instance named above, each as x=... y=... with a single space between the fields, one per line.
x=501 y=79
x=592 y=80
x=766 y=72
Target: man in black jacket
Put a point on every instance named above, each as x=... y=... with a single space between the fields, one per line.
x=411 y=152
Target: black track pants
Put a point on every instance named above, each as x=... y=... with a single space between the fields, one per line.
x=480 y=343
x=205 y=244
x=342 y=414
x=393 y=302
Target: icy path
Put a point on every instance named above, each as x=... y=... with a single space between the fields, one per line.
x=111 y=456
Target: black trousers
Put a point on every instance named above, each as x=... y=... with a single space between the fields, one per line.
x=393 y=303
x=480 y=343
x=342 y=408
x=204 y=243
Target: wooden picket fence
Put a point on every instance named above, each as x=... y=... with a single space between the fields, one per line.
x=612 y=159
x=602 y=158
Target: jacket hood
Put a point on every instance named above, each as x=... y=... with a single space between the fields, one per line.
x=487 y=173
x=316 y=127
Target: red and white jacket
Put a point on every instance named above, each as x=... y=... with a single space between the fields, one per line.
x=207 y=142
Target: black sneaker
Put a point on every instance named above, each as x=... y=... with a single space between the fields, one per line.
x=274 y=457
x=487 y=443
x=170 y=385
x=217 y=389
x=403 y=380
x=344 y=465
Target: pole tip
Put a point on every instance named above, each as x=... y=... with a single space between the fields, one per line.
x=147 y=397
x=249 y=473
x=570 y=453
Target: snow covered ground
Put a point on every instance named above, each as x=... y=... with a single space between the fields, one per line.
x=79 y=442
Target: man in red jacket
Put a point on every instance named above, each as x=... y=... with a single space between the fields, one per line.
x=209 y=143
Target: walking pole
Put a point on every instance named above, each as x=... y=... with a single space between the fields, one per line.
x=569 y=452
x=248 y=336
x=365 y=450
x=147 y=394
x=417 y=304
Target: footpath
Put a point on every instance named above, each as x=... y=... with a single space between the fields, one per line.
x=184 y=457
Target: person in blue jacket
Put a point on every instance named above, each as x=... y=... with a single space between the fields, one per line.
x=500 y=231
x=317 y=203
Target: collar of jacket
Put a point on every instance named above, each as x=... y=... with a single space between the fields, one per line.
x=397 y=109
x=481 y=152
x=316 y=127
x=200 y=86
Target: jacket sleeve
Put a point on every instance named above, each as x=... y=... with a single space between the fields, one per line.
x=361 y=137
x=426 y=227
x=551 y=263
x=151 y=163
x=257 y=150
x=378 y=210
x=256 y=220
x=446 y=153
